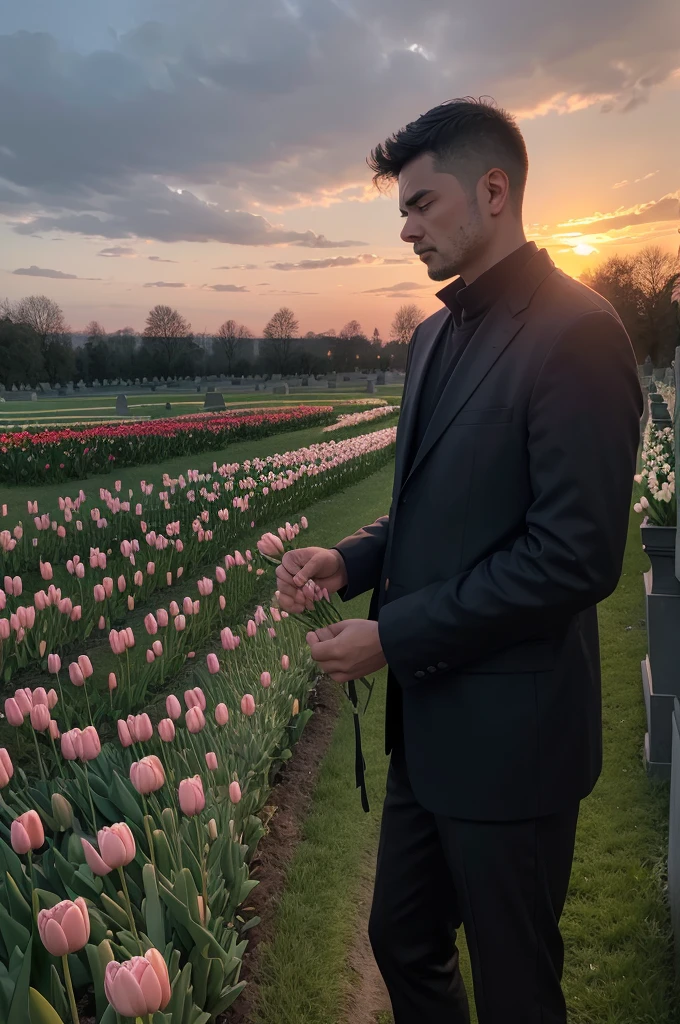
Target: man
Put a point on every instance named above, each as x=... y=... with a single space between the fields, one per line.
x=515 y=457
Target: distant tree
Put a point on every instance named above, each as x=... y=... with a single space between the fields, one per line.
x=280 y=332
x=405 y=321
x=655 y=275
x=352 y=329
x=43 y=314
x=614 y=279
x=21 y=359
x=170 y=337
x=310 y=334
x=377 y=340
x=95 y=331
x=227 y=343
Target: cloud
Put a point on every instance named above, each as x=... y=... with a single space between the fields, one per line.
x=390 y=289
x=241 y=266
x=666 y=208
x=210 y=104
x=114 y=251
x=157 y=259
x=288 y=293
x=328 y=263
x=645 y=177
x=57 y=275
x=226 y=287
x=165 y=284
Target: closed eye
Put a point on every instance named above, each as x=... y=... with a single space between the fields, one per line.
x=421 y=209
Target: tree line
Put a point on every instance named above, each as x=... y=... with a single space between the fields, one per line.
x=35 y=340
x=36 y=345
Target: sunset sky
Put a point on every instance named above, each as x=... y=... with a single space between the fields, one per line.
x=211 y=154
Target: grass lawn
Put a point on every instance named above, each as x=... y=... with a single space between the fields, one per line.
x=616 y=923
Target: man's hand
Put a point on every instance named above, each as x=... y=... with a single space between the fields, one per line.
x=324 y=566
x=347 y=650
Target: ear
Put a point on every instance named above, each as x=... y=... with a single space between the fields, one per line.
x=497 y=191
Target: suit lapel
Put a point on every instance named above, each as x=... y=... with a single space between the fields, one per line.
x=491 y=338
x=423 y=347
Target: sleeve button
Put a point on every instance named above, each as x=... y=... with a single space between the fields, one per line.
x=442 y=664
x=419 y=674
x=431 y=668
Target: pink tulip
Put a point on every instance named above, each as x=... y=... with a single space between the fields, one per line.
x=213 y=663
x=166 y=730
x=116 y=845
x=220 y=574
x=4 y=629
x=52 y=698
x=65 y=928
x=234 y=792
x=27 y=832
x=39 y=600
x=272 y=633
x=285 y=662
x=271 y=545
x=124 y=733
x=150 y=624
x=191 y=796
x=157 y=648
x=147 y=775
x=54 y=729
x=13 y=713
x=275 y=614
x=125 y=548
x=140 y=727
x=174 y=608
x=221 y=714
x=85 y=666
x=76 y=674
x=211 y=761
x=18 y=586
x=187 y=606
x=24 y=701
x=46 y=570
x=266 y=679
x=248 y=704
x=168 y=578
x=117 y=642
x=129 y=636
x=138 y=987
x=113 y=682
x=173 y=706
x=162 y=617
x=150 y=657
x=6 y=767
x=107 y=584
x=223 y=602
x=80 y=571
x=99 y=592
x=40 y=717
x=180 y=623
x=194 y=720
x=53 y=663
x=76 y=613
x=251 y=628
x=228 y=639
x=150 y=568
x=303 y=522
x=87 y=743
x=131 y=603
x=69 y=750
x=102 y=622
x=121 y=584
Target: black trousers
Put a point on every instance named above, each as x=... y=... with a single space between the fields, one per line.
x=506 y=882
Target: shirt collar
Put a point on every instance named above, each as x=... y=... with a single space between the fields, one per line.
x=469 y=301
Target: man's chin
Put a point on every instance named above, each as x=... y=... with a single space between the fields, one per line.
x=440 y=273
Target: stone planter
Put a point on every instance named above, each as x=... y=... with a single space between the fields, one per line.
x=658 y=543
x=674 y=836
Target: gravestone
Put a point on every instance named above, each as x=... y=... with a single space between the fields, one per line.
x=34 y=397
x=168 y=406
x=659 y=372
x=332 y=384
x=14 y=387
x=370 y=387
x=648 y=367
x=209 y=390
x=106 y=383
x=380 y=379
x=282 y=388
x=122 y=406
x=304 y=382
x=257 y=386
x=346 y=377
x=44 y=386
x=276 y=376
x=213 y=400
x=659 y=410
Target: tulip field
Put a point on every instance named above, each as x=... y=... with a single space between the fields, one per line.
x=152 y=689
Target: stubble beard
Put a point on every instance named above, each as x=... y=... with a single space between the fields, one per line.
x=462 y=249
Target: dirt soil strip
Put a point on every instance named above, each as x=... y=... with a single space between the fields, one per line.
x=290 y=801
x=368 y=1000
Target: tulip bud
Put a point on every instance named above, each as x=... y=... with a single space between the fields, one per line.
x=265 y=679
x=62 y=811
x=213 y=663
x=212 y=829
x=234 y=792
x=211 y=761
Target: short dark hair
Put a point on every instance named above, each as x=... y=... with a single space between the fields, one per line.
x=467 y=137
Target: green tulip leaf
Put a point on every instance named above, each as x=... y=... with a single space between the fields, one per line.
x=40 y=1011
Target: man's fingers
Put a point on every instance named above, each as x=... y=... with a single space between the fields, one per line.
x=308 y=571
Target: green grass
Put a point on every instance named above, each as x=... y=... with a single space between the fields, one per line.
x=616 y=922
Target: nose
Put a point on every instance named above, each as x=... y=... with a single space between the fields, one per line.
x=410 y=231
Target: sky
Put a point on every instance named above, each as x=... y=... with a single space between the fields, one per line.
x=212 y=155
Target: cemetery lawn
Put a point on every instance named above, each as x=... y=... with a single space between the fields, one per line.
x=616 y=923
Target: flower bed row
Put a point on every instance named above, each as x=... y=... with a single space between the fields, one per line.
x=59 y=454
x=369 y=416
x=126 y=868
x=101 y=566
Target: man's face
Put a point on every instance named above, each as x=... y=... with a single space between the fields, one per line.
x=441 y=221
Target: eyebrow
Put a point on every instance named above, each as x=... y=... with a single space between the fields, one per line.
x=415 y=198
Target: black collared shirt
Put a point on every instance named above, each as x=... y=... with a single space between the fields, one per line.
x=468 y=305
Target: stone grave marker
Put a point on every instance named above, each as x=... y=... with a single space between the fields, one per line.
x=213 y=400
x=282 y=388
x=370 y=387
x=122 y=406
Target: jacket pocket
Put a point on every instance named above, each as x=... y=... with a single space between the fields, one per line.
x=494 y=414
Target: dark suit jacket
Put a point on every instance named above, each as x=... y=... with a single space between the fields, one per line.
x=505 y=532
